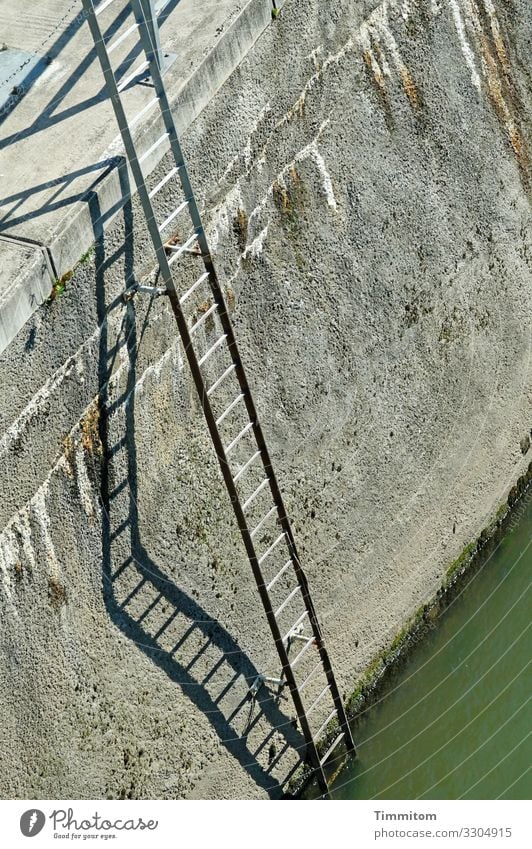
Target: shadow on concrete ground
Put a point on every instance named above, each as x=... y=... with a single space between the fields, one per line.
x=50 y=116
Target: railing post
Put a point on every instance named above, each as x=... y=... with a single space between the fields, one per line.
x=148 y=10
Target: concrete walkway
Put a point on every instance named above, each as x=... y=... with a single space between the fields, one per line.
x=58 y=135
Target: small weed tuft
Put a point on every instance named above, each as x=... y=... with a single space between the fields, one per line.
x=90 y=435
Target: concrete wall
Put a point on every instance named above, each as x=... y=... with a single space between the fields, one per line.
x=365 y=175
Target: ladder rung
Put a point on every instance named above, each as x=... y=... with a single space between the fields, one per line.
x=254 y=494
x=296 y=623
x=177 y=250
x=246 y=466
x=163 y=182
x=287 y=600
x=310 y=675
x=233 y=404
x=323 y=726
x=278 y=757
x=272 y=546
x=316 y=701
x=239 y=437
x=262 y=521
x=304 y=650
x=102 y=7
x=130 y=77
x=331 y=748
x=222 y=377
x=143 y=111
x=189 y=292
x=153 y=147
x=203 y=319
x=121 y=38
x=211 y=350
x=279 y=574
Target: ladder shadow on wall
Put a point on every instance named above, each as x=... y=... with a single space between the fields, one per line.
x=196 y=651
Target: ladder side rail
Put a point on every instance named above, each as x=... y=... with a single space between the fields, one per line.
x=198 y=379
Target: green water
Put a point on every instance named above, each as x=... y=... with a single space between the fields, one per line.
x=455 y=721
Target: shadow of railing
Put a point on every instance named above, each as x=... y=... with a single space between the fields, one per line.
x=169 y=627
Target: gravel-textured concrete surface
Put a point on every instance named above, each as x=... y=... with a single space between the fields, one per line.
x=365 y=174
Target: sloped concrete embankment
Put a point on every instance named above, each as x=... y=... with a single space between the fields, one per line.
x=365 y=175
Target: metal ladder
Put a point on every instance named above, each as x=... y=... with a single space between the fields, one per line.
x=210 y=346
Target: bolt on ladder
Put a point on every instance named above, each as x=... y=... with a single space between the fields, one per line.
x=225 y=397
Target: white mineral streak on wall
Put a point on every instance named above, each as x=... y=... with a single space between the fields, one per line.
x=314 y=57
x=365 y=42
x=495 y=67
x=17 y=550
x=325 y=176
x=376 y=30
x=406 y=9
x=464 y=43
x=254 y=250
x=22 y=525
x=378 y=26
x=310 y=151
x=298 y=107
x=247 y=154
x=153 y=370
x=233 y=200
x=494 y=23
x=497 y=35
